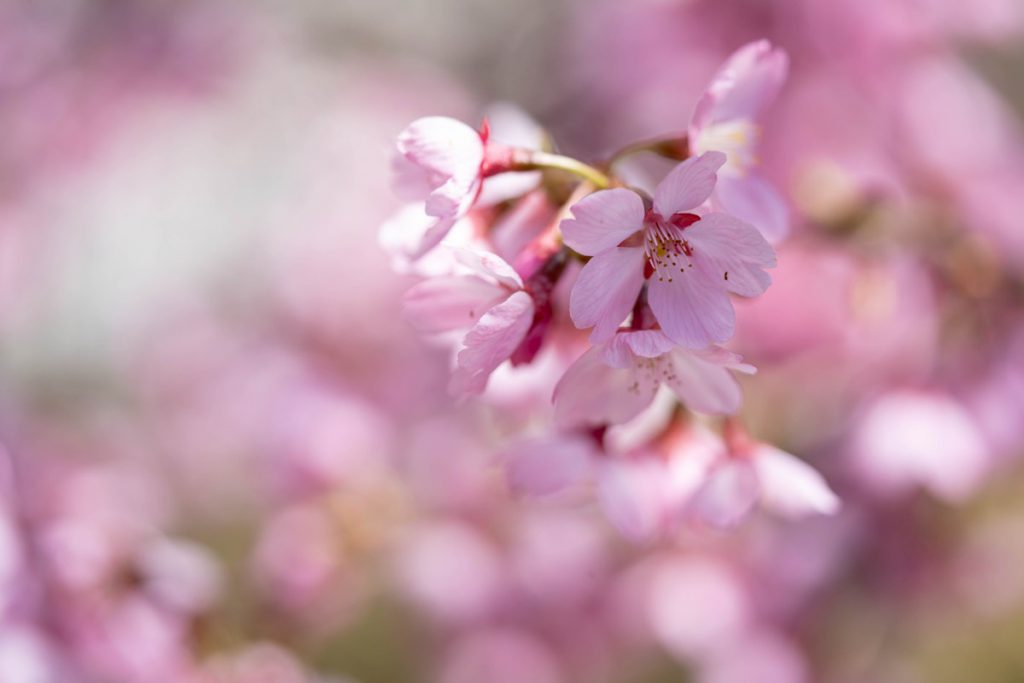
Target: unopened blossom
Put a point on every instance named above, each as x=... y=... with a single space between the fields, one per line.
x=614 y=381
x=490 y=300
x=439 y=163
x=690 y=262
x=725 y=119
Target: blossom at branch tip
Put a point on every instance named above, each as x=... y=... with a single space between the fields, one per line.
x=439 y=163
x=725 y=119
x=487 y=297
x=444 y=168
x=615 y=381
x=690 y=262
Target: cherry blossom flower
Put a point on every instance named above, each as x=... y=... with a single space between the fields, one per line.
x=907 y=439
x=759 y=474
x=614 y=381
x=440 y=163
x=690 y=262
x=725 y=120
x=444 y=168
x=490 y=300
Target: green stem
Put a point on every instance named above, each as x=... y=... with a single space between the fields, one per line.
x=535 y=161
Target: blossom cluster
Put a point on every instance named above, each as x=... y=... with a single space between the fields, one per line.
x=225 y=456
x=496 y=231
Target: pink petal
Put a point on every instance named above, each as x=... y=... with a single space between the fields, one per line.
x=754 y=200
x=591 y=393
x=728 y=495
x=693 y=310
x=411 y=233
x=489 y=265
x=454 y=302
x=444 y=156
x=631 y=494
x=790 y=487
x=602 y=220
x=725 y=358
x=747 y=83
x=704 y=386
x=409 y=181
x=688 y=185
x=490 y=343
x=732 y=253
x=606 y=290
x=621 y=350
x=443 y=148
x=546 y=466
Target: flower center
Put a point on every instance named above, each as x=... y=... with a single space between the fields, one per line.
x=668 y=252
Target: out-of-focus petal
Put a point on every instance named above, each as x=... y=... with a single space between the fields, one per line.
x=791 y=487
x=754 y=200
x=546 y=466
x=728 y=495
x=704 y=386
x=748 y=82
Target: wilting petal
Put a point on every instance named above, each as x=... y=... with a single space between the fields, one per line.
x=704 y=386
x=790 y=487
x=688 y=185
x=692 y=310
x=754 y=200
x=442 y=304
x=491 y=342
x=606 y=291
x=593 y=393
x=748 y=82
x=602 y=220
x=546 y=466
x=728 y=495
x=732 y=254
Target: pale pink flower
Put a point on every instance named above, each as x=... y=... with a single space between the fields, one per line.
x=445 y=168
x=490 y=300
x=907 y=439
x=616 y=380
x=681 y=587
x=440 y=163
x=761 y=475
x=725 y=119
x=691 y=262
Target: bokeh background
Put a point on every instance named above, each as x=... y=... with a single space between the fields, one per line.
x=225 y=457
